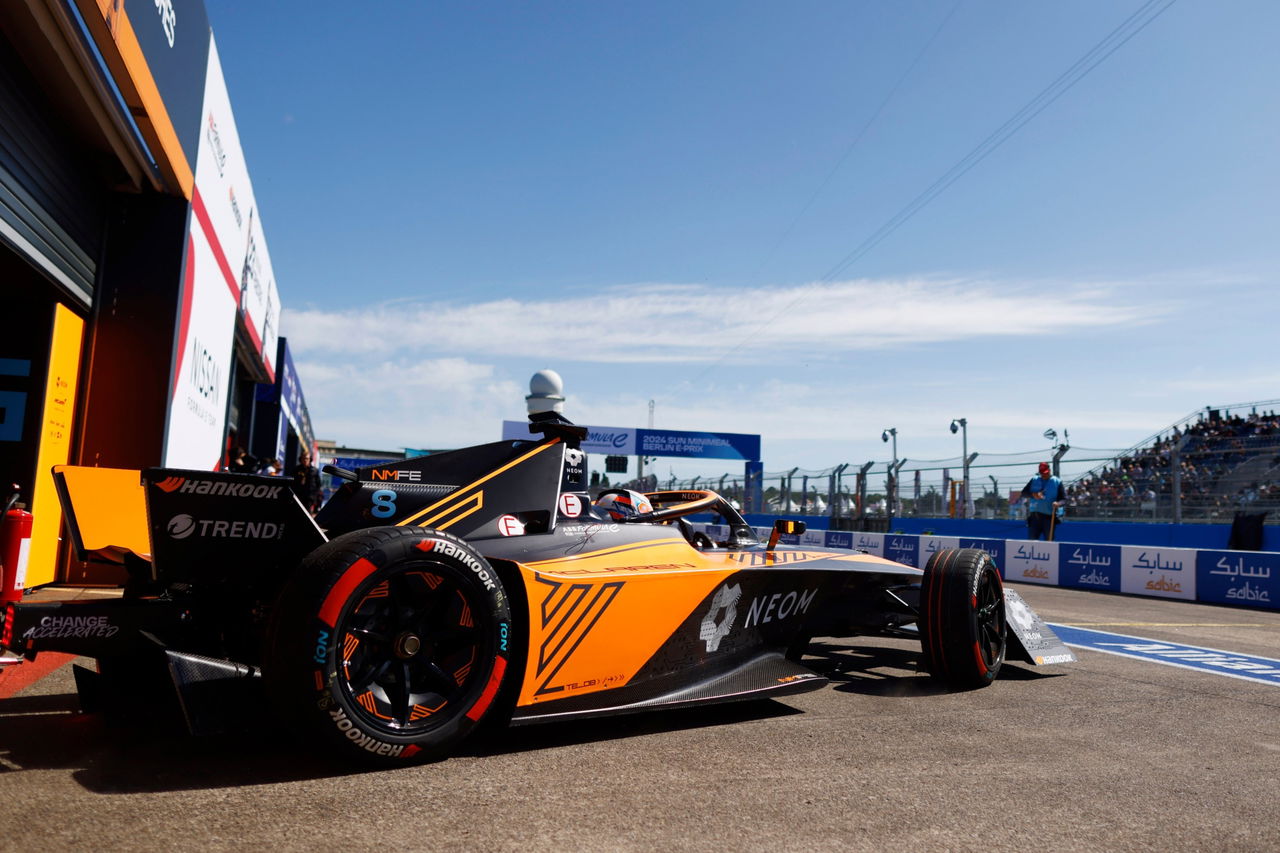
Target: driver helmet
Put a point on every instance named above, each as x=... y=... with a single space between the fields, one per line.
x=623 y=503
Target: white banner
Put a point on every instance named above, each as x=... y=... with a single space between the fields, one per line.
x=1164 y=572
x=1031 y=562
x=202 y=363
x=930 y=545
x=813 y=538
x=872 y=543
x=225 y=194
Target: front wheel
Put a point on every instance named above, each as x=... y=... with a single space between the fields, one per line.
x=390 y=644
x=962 y=621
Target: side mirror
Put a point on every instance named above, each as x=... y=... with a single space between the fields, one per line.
x=781 y=526
x=341 y=473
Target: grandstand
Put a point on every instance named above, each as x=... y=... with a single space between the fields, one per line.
x=1204 y=468
x=1208 y=466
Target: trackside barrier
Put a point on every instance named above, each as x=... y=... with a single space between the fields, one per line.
x=1237 y=578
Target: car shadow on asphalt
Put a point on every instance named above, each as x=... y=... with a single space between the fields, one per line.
x=501 y=740
x=49 y=732
x=891 y=671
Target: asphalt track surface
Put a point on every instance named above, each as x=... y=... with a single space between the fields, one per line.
x=1106 y=754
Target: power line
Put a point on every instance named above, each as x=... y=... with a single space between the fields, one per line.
x=893 y=90
x=1137 y=21
x=1117 y=38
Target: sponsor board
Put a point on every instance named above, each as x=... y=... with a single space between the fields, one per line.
x=838 y=539
x=1089 y=566
x=613 y=441
x=202 y=366
x=902 y=548
x=227 y=206
x=1031 y=562
x=698 y=445
x=930 y=545
x=1162 y=572
x=1238 y=577
x=626 y=441
x=994 y=547
x=812 y=538
x=872 y=543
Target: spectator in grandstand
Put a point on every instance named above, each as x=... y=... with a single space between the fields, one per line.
x=306 y=482
x=1045 y=494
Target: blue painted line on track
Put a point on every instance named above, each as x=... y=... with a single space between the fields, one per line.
x=1215 y=661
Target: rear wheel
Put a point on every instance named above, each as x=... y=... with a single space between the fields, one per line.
x=962 y=622
x=390 y=644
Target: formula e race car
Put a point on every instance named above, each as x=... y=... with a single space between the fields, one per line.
x=430 y=594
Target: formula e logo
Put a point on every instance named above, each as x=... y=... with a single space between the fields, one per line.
x=181 y=526
x=718 y=622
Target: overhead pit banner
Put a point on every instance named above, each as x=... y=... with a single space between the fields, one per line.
x=157 y=51
x=624 y=441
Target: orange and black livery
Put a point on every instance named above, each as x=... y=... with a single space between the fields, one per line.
x=486 y=583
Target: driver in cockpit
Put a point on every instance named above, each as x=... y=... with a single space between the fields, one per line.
x=618 y=504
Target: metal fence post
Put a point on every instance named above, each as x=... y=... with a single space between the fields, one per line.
x=1176 y=464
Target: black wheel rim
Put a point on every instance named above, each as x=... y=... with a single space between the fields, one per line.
x=989 y=616
x=412 y=649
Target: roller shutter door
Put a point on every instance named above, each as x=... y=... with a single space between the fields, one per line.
x=51 y=202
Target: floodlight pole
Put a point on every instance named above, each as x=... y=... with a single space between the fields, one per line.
x=891 y=485
x=964 y=444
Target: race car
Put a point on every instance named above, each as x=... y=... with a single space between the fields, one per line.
x=482 y=584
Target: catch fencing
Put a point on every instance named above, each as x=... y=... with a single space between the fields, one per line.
x=1189 y=478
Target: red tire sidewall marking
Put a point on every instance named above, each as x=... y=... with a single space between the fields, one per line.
x=341 y=591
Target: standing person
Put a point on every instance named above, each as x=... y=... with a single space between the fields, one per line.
x=306 y=482
x=1045 y=494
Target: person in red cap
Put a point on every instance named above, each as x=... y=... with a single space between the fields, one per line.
x=1045 y=494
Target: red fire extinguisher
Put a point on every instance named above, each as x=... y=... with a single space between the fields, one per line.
x=15 y=545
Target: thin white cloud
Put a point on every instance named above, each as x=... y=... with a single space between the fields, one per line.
x=435 y=403
x=665 y=323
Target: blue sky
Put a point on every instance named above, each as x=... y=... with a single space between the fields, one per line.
x=657 y=200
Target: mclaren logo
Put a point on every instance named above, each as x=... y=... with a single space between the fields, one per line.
x=568 y=613
x=718 y=622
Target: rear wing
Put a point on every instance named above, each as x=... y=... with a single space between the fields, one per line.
x=190 y=525
x=106 y=511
